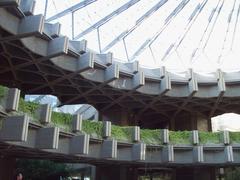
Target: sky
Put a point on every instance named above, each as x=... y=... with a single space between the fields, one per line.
x=203 y=35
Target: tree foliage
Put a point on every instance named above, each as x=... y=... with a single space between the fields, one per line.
x=42 y=169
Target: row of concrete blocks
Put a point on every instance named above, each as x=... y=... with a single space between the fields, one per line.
x=58 y=48
x=18 y=129
x=44 y=112
x=22 y=7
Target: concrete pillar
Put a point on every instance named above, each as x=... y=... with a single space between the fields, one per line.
x=7 y=168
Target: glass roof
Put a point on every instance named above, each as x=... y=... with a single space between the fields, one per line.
x=179 y=34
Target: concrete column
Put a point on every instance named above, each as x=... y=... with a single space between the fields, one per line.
x=7 y=168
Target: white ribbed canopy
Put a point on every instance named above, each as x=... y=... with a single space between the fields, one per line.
x=179 y=34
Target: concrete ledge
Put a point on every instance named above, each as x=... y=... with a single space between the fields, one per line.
x=86 y=62
x=58 y=46
x=195 y=137
x=27 y=6
x=228 y=151
x=80 y=144
x=13 y=99
x=47 y=138
x=78 y=46
x=44 y=113
x=7 y=3
x=109 y=149
x=165 y=136
x=198 y=154
x=14 y=128
x=139 y=152
x=52 y=30
x=136 y=134
x=168 y=154
x=225 y=138
x=107 y=129
x=77 y=123
x=138 y=80
x=111 y=73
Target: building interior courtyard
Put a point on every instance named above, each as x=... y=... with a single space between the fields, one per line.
x=120 y=89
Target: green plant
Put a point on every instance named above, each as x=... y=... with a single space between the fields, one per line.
x=41 y=169
x=122 y=133
x=95 y=129
x=180 y=137
x=63 y=120
x=234 y=137
x=209 y=137
x=3 y=91
x=28 y=107
x=150 y=136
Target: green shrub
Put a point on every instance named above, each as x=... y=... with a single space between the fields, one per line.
x=93 y=128
x=209 y=137
x=180 y=137
x=122 y=133
x=41 y=169
x=151 y=136
x=3 y=91
x=62 y=120
x=28 y=108
x=234 y=137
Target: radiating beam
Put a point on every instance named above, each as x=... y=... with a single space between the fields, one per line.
x=235 y=26
x=107 y=18
x=149 y=41
x=138 y=23
x=71 y=9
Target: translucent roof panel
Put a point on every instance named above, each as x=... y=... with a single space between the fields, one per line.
x=179 y=34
